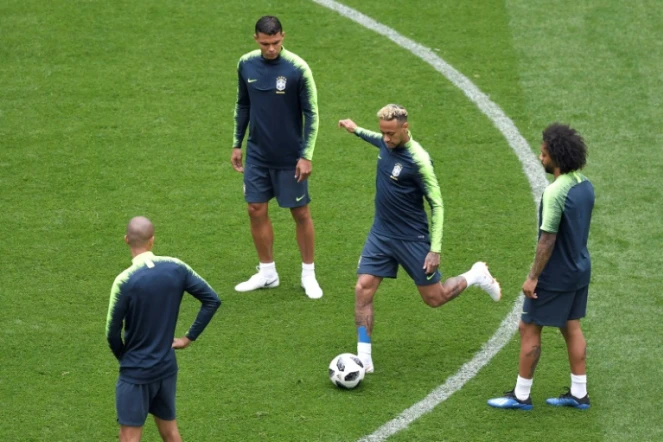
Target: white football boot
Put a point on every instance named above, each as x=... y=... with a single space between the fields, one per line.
x=258 y=281
x=368 y=364
x=311 y=287
x=364 y=354
x=486 y=281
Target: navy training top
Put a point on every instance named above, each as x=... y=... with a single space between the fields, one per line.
x=278 y=101
x=145 y=299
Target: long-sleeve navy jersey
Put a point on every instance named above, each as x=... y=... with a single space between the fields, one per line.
x=278 y=101
x=146 y=298
x=404 y=177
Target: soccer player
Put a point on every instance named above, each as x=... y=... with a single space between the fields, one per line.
x=146 y=298
x=400 y=233
x=556 y=287
x=277 y=100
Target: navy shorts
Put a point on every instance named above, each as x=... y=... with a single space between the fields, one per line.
x=382 y=255
x=553 y=309
x=261 y=184
x=134 y=401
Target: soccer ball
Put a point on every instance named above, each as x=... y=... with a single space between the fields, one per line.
x=346 y=371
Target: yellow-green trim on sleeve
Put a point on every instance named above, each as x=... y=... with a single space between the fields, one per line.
x=432 y=192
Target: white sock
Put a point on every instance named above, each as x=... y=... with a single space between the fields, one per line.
x=471 y=277
x=579 y=385
x=268 y=269
x=308 y=270
x=364 y=351
x=523 y=387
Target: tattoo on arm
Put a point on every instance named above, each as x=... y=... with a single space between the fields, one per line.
x=544 y=249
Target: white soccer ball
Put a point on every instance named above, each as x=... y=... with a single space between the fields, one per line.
x=346 y=371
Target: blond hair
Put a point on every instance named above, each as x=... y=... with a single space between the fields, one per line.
x=393 y=111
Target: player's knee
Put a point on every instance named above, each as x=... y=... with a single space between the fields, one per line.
x=301 y=215
x=130 y=434
x=528 y=330
x=434 y=303
x=434 y=295
x=360 y=289
x=433 y=300
x=172 y=436
x=363 y=293
x=169 y=432
x=257 y=210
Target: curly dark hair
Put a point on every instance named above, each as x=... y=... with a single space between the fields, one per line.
x=565 y=147
x=268 y=25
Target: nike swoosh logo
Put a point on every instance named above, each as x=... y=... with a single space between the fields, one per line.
x=431 y=276
x=251 y=80
x=300 y=198
x=269 y=282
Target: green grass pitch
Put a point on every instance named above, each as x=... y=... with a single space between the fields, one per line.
x=114 y=109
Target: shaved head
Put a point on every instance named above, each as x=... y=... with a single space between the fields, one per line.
x=140 y=232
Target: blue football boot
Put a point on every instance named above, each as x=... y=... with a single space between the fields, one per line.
x=509 y=400
x=568 y=400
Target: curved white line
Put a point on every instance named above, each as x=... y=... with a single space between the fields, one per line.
x=537 y=181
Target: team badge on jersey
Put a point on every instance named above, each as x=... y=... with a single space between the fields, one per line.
x=396 y=171
x=280 y=84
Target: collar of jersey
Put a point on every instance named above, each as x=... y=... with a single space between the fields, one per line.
x=141 y=258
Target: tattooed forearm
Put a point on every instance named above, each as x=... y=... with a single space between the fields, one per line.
x=544 y=249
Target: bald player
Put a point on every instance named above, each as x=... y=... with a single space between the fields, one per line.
x=145 y=300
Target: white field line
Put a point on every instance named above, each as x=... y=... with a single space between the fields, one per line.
x=537 y=181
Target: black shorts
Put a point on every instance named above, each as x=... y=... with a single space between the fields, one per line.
x=381 y=257
x=134 y=401
x=261 y=184
x=553 y=309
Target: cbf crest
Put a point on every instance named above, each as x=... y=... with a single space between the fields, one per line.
x=398 y=167
x=280 y=85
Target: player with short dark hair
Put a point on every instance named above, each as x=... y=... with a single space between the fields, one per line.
x=400 y=234
x=145 y=300
x=268 y=25
x=278 y=101
x=557 y=285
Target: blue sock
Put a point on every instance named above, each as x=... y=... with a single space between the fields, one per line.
x=363 y=335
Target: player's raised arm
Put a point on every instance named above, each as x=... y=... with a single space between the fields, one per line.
x=374 y=138
x=348 y=125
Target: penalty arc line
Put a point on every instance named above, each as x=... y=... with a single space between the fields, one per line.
x=537 y=182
